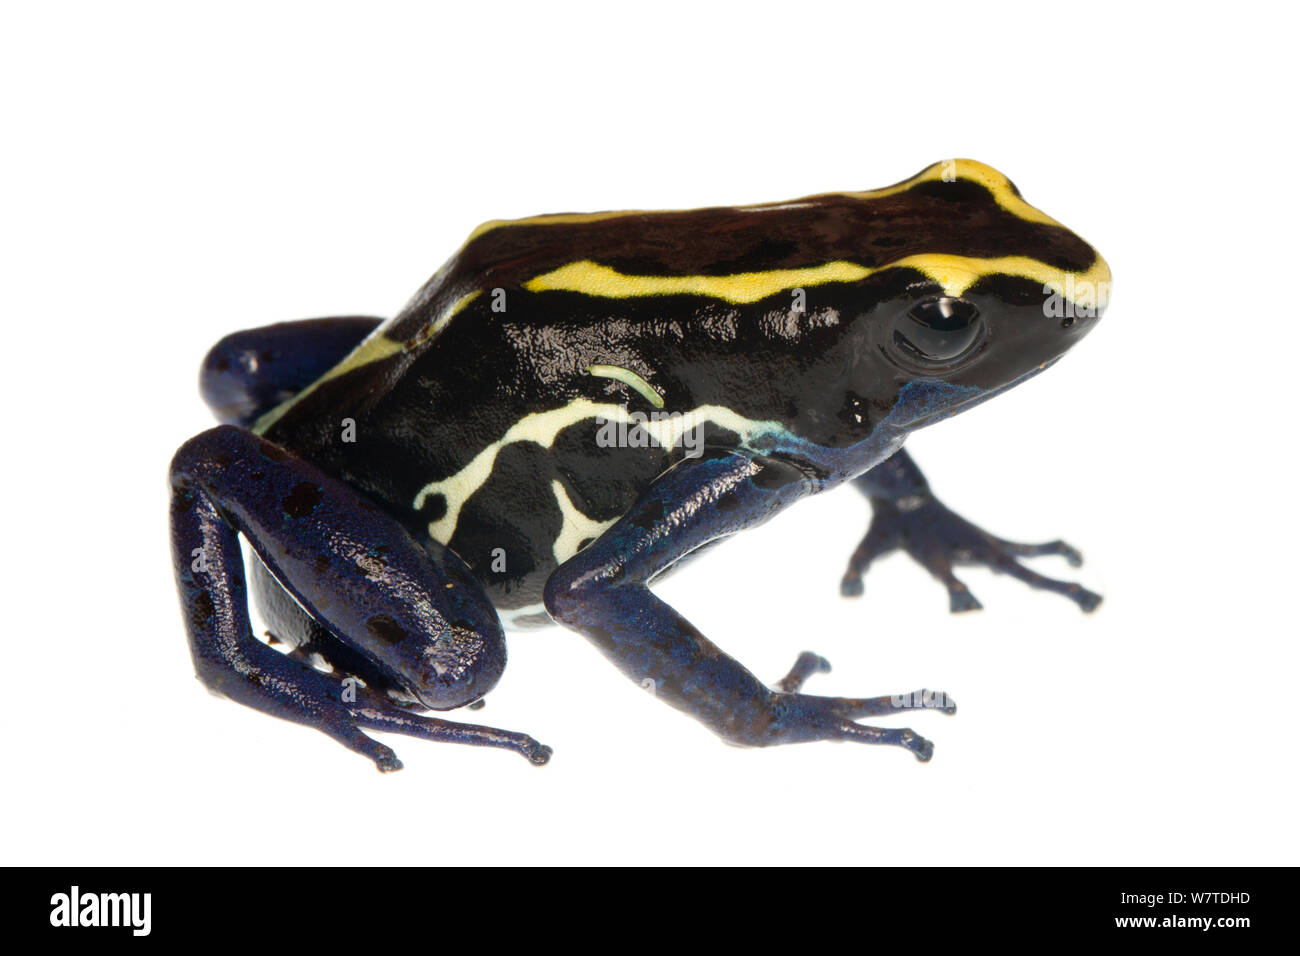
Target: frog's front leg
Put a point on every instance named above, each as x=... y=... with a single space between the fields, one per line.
x=602 y=592
x=420 y=618
x=907 y=515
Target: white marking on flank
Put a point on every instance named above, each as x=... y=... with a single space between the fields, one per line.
x=577 y=526
x=541 y=428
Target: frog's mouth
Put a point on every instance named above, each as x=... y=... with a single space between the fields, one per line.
x=973 y=396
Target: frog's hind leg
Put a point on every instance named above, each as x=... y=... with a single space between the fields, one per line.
x=248 y=373
x=907 y=515
x=418 y=615
x=305 y=639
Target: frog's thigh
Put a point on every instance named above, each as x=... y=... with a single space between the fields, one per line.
x=602 y=593
x=248 y=373
x=421 y=618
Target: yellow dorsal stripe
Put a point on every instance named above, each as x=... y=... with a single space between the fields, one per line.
x=953 y=169
x=374 y=348
x=955 y=274
x=439 y=322
x=946 y=171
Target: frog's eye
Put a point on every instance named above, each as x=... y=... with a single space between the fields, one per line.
x=938 y=330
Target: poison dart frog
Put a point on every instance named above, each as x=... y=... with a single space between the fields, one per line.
x=572 y=405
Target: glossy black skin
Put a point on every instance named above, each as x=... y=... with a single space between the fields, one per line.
x=373 y=595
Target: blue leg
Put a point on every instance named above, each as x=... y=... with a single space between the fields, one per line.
x=305 y=639
x=602 y=592
x=248 y=373
x=418 y=617
x=907 y=515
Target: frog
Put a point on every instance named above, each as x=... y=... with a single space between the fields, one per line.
x=576 y=404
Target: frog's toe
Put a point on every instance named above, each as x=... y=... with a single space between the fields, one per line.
x=804 y=667
x=1072 y=555
x=923 y=749
x=852 y=708
x=389 y=763
x=383 y=756
x=935 y=700
x=905 y=737
x=881 y=538
x=540 y=755
x=1088 y=601
x=960 y=599
x=378 y=714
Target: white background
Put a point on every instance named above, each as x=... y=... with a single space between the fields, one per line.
x=170 y=176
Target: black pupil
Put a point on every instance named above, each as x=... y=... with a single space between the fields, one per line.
x=937 y=330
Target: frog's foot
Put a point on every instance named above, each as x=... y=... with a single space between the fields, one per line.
x=938 y=539
x=802 y=717
x=373 y=710
x=834 y=718
x=376 y=714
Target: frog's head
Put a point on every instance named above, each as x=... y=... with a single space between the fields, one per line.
x=997 y=292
